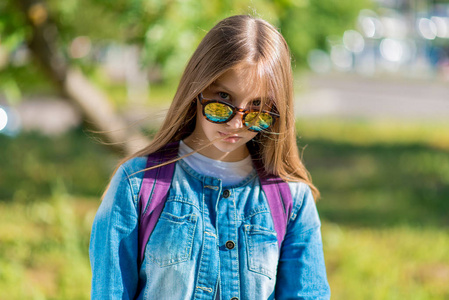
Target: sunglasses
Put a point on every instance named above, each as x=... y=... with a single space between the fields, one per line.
x=217 y=111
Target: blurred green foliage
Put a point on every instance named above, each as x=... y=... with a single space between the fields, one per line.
x=383 y=209
x=169 y=31
x=34 y=166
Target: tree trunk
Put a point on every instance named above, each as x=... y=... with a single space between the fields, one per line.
x=73 y=85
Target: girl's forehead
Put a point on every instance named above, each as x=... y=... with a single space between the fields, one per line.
x=240 y=81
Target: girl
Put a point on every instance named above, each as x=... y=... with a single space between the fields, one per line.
x=215 y=237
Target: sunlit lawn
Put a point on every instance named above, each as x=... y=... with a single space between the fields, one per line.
x=384 y=206
x=384 y=210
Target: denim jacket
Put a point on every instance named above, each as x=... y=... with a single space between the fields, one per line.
x=210 y=242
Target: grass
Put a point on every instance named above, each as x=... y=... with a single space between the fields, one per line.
x=43 y=249
x=379 y=183
x=383 y=208
x=399 y=262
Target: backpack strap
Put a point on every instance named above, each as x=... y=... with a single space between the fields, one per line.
x=279 y=199
x=153 y=191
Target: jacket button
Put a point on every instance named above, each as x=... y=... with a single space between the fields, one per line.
x=230 y=245
x=226 y=193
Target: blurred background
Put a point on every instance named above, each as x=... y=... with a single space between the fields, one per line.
x=84 y=82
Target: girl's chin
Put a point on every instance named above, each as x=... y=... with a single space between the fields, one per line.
x=234 y=147
x=231 y=140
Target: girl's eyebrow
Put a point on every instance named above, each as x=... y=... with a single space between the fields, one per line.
x=229 y=91
x=221 y=86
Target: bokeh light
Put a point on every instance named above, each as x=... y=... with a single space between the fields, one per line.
x=353 y=41
x=427 y=28
x=341 y=57
x=3 y=119
x=392 y=50
x=319 y=61
x=370 y=25
x=442 y=25
x=80 y=47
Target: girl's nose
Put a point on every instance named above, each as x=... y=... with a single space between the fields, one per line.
x=236 y=121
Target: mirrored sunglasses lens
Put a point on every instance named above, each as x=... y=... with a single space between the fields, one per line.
x=258 y=121
x=217 y=112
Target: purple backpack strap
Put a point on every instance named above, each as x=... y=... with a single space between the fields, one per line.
x=153 y=191
x=279 y=199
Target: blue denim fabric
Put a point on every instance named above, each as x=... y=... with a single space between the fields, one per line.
x=186 y=256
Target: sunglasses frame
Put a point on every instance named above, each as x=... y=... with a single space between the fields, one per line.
x=205 y=101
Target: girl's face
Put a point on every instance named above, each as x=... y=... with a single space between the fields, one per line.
x=227 y=140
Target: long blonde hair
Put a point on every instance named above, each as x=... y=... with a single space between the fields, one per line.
x=234 y=41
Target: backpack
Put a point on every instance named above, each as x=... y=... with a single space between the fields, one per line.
x=156 y=184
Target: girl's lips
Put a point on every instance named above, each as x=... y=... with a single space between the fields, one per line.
x=227 y=134
x=230 y=138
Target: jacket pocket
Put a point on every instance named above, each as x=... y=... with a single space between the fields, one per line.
x=262 y=250
x=171 y=241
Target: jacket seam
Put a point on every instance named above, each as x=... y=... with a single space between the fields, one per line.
x=130 y=186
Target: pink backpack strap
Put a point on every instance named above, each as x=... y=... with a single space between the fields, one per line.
x=153 y=192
